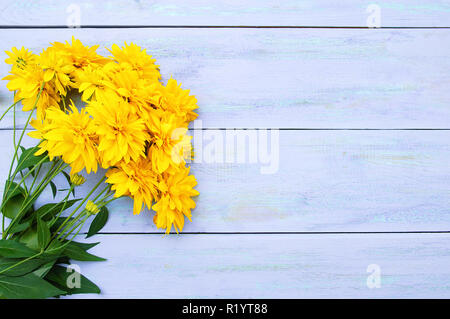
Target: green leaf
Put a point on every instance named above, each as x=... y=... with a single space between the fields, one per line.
x=44 y=269
x=50 y=210
x=67 y=177
x=63 y=260
x=13 y=206
x=61 y=277
x=85 y=246
x=99 y=222
x=75 y=252
x=17 y=228
x=55 y=248
x=14 y=200
x=20 y=269
x=14 y=189
x=54 y=189
x=27 y=158
x=69 y=182
x=43 y=233
x=13 y=249
x=28 y=286
x=58 y=222
x=30 y=238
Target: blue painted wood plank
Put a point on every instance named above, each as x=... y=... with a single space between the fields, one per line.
x=401 y=13
x=324 y=181
x=288 y=78
x=271 y=266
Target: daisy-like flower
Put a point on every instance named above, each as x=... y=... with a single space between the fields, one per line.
x=80 y=56
x=20 y=58
x=135 y=179
x=174 y=99
x=175 y=202
x=133 y=125
x=170 y=143
x=41 y=126
x=71 y=136
x=127 y=83
x=93 y=83
x=56 y=68
x=28 y=83
x=138 y=59
x=121 y=133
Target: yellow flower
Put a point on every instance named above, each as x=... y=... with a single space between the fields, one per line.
x=133 y=125
x=175 y=202
x=57 y=68
x=138 y=59
x=174 y=99
x=93 y=83
x=92 y=208
x=79 y=55
x=170 y=143
x=41 y=128
x=28 y=83
x=121 y=133
x=134 y=179
x=77 y=179
x=127 y=83
x=71 y=136
x=20 y=58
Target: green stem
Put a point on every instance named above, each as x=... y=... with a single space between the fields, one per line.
x=35 y=176
x=9 y=108
x=101 y=193
x=46 y=180
x=21 y=136
x=21 y=262
x=81 y=204
x=71 y=226
x=5 y=200
x=39 y=190
x=14 y=126
x=20 y=140
x=107 y=202
x=81 y=226
x=54 y=163
x=14 y=158
x=24 y=184
x=63 y=206
x=99 y=204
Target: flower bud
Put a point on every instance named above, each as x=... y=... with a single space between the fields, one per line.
x=92 y=208
x=77 y=179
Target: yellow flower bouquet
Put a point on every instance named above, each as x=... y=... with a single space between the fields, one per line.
x=128 y=123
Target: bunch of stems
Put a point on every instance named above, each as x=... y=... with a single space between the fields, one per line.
x=73 y=222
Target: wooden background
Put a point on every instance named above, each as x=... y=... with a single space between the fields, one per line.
x=364 y=170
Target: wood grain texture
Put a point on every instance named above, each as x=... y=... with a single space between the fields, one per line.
x=288 y=78
x=402 y=13
x=327 y=181
x=270 y=266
